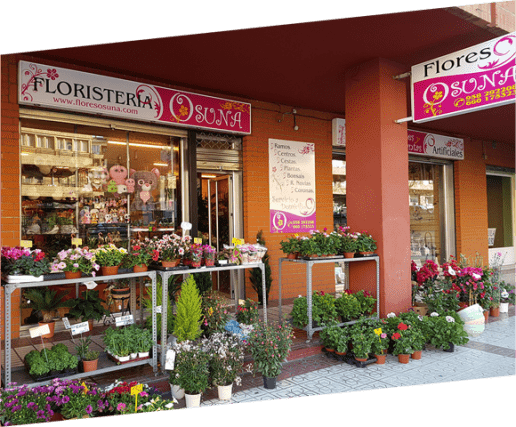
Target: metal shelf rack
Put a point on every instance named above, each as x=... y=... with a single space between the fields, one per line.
x=9 y=288
x=313 y=261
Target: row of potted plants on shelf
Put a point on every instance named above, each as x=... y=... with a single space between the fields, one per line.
x=72 y=399
x=404 y=335
x=127 y=343
x=320 y=244
x=330 y=308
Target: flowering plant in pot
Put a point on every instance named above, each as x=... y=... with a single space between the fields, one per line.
x=226 y=360
x=269 y=345
x=381 y=342
x=323 y=309
x=74 y=399
x=23 y=261
x=120 y=400
x=109 y=256
x=78 y=260
x=291 y=246
x=365 y=242
x=141 y=253
x=366 y=301
x=446 y=330
x=403 y=342
x=347 y=306
x=334 y=338
x=24 y=405
x=172 y=247
x=209 y=253
x=362 y=338
x=247 y=312
x=348 y=241
x=191 y=371
x=215 y=312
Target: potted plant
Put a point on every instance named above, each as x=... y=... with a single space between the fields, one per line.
x=89 y=358
x=495 y=301
x=187 y=325
x=506 y=296
x=23 y=405
x=88 y=308
x=74 y=262
x=323 y=309
x=47 y=301
x=348 y=242
x=330 y=336
x=269 y=345
x=109 y=258
x=195 y=255
x=362 y=339
x=75 y=399
x=209 y=253
x=403 y=343
x=214 y=312
x=366 y=245
x=347 y=306
x=141 y=253
x=380 y=345
x=226 y=360
x=191 y=371
x=23 y=265
x=446 y=331
x=366 y=301
x=172 y=248
x=247 y=313
x=291 y=246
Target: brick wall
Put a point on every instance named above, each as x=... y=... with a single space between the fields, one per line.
x=503 y=13
x=313 y=127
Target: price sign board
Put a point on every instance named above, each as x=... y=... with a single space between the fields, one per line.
x=90 y=285
x=79 y=328
x=137 y=389
x=26 y=243
x=197 y=240
x=124 y=320
x=170 y=359
x=77 y=241
x=38 y=331
x=66 y=322
x=158 y=309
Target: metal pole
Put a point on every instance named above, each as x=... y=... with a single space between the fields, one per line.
x=279 y=285
x=264 y=293
x=309 y=330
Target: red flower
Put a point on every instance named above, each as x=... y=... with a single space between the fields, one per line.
x=155 y=255
x=396 y=336
x=402 y=327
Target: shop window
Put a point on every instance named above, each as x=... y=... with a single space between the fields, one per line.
x=339 y=190
x=499 y=211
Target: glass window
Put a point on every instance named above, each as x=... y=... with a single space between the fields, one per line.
x=339 y=189
x=499 y=211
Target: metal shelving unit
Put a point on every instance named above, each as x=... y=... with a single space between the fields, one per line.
x=9 y=288
x=166 y=273
x=309 y=264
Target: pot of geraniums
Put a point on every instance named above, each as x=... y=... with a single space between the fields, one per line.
x=171 y=248
x=380 y=345
x=247 y=312
x=89 y=358
x=446 y=330
x=74 y=262
x=362 y=337
x=291 y=246
x=87 y=308
x=226 y=360
x=209 y=253
x=330 y=336
x=323 y=309
x=347 y=306
x=366 y=245
x=403 y=343
x=269 y=345
x=23 y=265
x=109 y=258
x=348 y=242
x=191 y=371
x=47 y=301
x=140 y=254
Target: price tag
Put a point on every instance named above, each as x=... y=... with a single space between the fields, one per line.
x=169 y=360
x=241 y=302
x=124 y=320
x=38 y=331
x=66 y=322
x=197 y=240
x=158 y=309
x=77 y=241
x=26 y=243
x=137 y=389
x=79 y=328
x=90 y=285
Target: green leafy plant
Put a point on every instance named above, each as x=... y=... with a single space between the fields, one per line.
x=190 y=368
x=403 y=340
x=348 y=307
x=88 y=307
x=215 y=313
x=291 y=245
x=335 y=337
x=323 y=309
x=446 y=329
x=365 y=242
x=366 y=300
x=362 y=339
x=189 y=313
x=46 y=300
x=83 y=350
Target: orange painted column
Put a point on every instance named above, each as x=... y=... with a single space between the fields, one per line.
x=377 y=178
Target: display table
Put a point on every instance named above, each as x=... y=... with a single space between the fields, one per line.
x=325 y=260
x=9 y=288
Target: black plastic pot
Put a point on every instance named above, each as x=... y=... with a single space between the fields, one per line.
x=451 y=349
x=269 y=383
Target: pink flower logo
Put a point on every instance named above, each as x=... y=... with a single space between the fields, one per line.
x=52 y=73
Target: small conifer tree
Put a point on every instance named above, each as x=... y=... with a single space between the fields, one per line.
x=188 y=314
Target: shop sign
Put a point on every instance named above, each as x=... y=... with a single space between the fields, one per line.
x=291 y=186
x=431 y=144
x=476 y=78
x=61 y=88
x=338 y=132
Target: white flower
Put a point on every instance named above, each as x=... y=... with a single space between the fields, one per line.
x=504 y=294
x=476 y=276
x=169 y=405
x=420 y=317
x=434 y=314
x=450 y=319
x=391 y=314
x=299 y=296
x=451 y=271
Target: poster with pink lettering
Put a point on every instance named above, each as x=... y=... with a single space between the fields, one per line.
x=476 y=78
x=56 y=87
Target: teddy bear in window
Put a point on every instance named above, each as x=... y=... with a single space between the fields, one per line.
x=145 y=183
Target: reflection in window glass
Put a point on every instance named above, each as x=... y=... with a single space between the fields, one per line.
x=339 y=190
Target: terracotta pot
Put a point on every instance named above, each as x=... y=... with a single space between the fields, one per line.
x=359 y=359
x=72 y=274
x=349 y=254
x=89 y=365
x=420 y=308
x=403 y=358
x=292 y=255
x=51 y=326
x=417 y=354
x=486 y=316
x=380 y=359
x=173 y=263
x=140 y=268
x=366 y=252
x=195 y=264
x=340 y=354
x=209 y=262
x=330 y=350
x=109 y=271
x=495 y=311
x=90 y=324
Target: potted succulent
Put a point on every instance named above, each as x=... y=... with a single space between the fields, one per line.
x=109 y=257
x=47 y=301
x=269 y=345
x=89 y=358
x=291 y=246
x=191 y=371
x=88 y=308
x=226 y=360
x=23 y=265
x=247 y=313
x=74 y=262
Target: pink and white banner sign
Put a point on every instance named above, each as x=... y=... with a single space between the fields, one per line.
x=476 y=78
x=431 y=144
x=66 y=89
x=291 y=186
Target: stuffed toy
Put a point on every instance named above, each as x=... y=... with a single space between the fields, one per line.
x=118 y=173
x=145 y=183
x=130 y=183
x=98 y=177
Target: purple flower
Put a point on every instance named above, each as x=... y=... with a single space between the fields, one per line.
x=41 y=414
x=121 y=406
x=89 y=409
x=66 y=399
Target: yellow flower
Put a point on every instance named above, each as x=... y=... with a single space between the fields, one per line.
x=210 y=311
x=378 y=331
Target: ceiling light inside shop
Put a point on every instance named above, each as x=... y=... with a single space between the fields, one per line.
x=135 y=144
x=160 y=164
x=208 y=176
